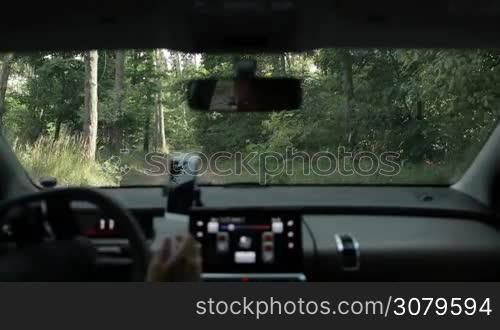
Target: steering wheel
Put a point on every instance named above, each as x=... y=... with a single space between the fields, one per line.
x=57 y=201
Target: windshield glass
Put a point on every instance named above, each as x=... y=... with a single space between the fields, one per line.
x=369 y=116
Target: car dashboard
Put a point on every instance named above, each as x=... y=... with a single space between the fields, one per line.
x=313 y=233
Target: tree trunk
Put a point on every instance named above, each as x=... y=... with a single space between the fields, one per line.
x=4 y=79
x=347 y=86
x=420 y=110
x=146 y=133
x=176 y=61
x=117 y=137
x=58 y=128
x=277 y=65
x=290 y=60
x=160 y=139
x=90 y=121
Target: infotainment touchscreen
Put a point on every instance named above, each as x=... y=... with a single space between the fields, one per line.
x=248 y=241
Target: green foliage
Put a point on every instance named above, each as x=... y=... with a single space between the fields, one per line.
x=62 y=159
x=434 y=107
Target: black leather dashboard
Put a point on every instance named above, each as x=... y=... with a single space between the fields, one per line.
x=401 y=233
x=393 y=248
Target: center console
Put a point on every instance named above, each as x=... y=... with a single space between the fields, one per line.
x=249 y=245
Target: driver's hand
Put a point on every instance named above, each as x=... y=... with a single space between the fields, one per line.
x=177 y=260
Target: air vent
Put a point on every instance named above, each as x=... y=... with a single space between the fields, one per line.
x=348 y=250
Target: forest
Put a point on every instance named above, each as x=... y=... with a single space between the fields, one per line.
x=89 y=118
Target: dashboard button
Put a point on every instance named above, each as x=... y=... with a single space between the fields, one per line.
x=244 y=257
x=222 y=242
x=277 y=227
x=267 y=236
x=245 y=242
x=212 y=227
x=267 y=252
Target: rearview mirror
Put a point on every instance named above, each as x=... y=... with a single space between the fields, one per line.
x=245 y=95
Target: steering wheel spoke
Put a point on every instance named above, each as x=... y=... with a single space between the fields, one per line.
x=55 y=211
x=60 y=218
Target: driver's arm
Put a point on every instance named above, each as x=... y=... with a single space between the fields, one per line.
x=177 y=260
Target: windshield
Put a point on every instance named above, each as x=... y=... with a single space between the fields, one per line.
x=369 y=116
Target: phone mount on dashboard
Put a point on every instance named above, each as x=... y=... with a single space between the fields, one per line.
x=182 y=197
